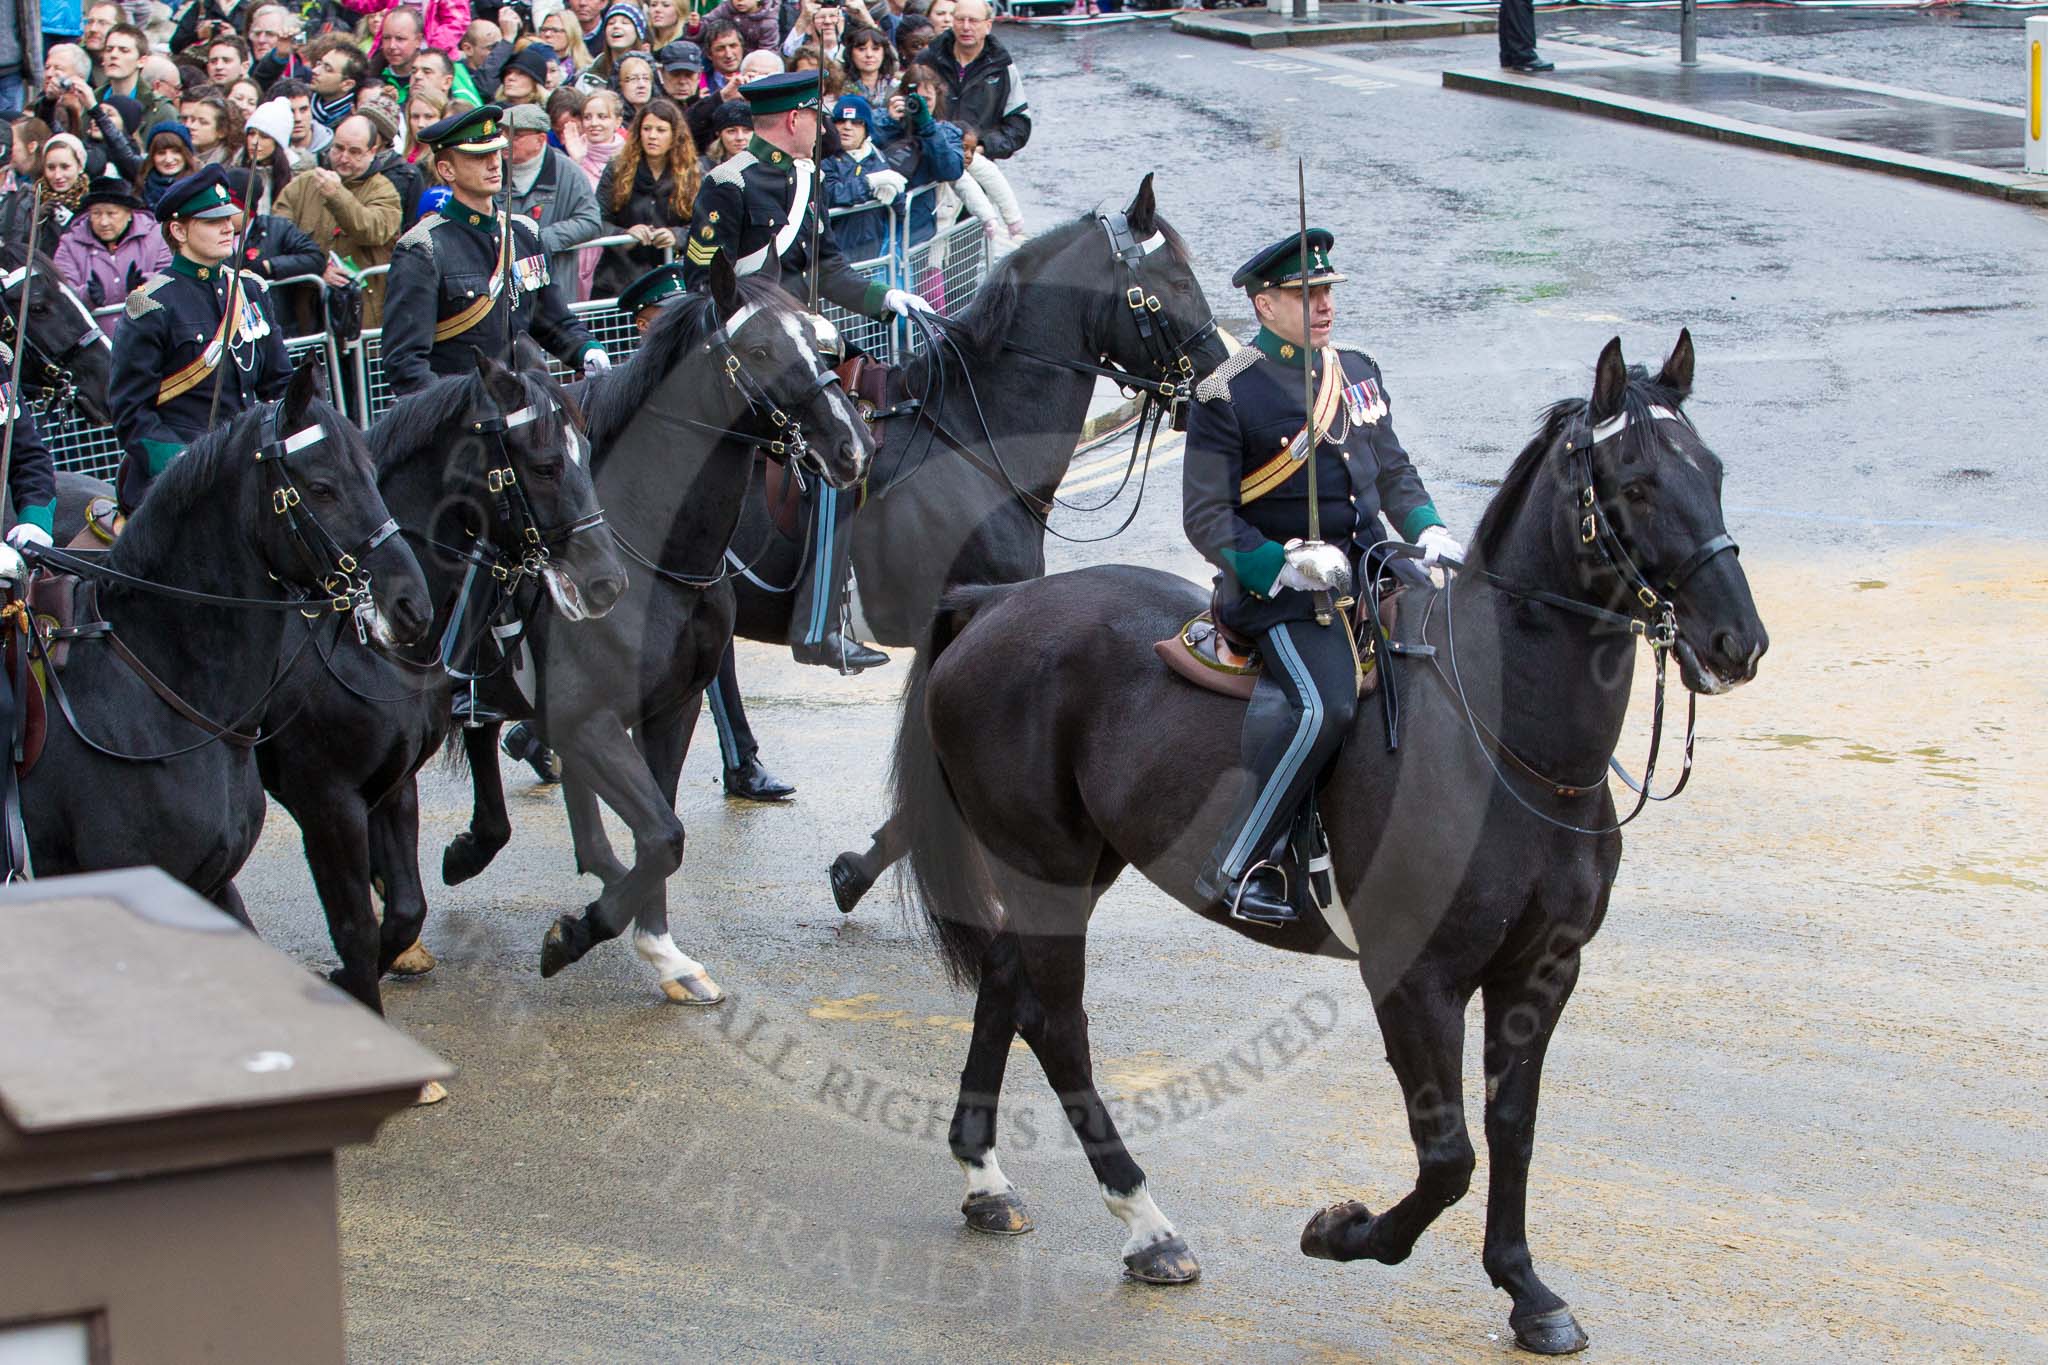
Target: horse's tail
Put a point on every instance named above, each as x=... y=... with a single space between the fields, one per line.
x=947 y=876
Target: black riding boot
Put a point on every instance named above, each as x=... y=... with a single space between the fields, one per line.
x=1298 y=716
x=746 y=777
x=523 y=742
x=814 y=634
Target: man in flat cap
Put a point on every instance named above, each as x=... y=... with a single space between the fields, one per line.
x=1245 y=505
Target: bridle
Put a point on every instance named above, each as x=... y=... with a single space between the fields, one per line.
x=1652 y=617
x=1165 y=394
x=780 y=437
x=338 y=570
x=55 y=377
x=501 y=570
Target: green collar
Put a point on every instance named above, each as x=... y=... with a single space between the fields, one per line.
x=455 y=211
x=181 y=264
x=1286 y=352
x=766 y=152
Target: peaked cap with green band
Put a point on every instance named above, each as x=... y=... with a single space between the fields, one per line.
x=1279 y=266
x=478 y=132
x=658 y=285
x=778 y=94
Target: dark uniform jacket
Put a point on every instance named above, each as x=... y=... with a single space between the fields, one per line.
x=746 y=205
x=1244 y=415
x=986 y=95
x=171 y=320
x=442 y=268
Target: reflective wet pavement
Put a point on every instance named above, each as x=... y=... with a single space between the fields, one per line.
x=1793 y=1112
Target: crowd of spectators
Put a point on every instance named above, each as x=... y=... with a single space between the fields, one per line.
x=615 y=110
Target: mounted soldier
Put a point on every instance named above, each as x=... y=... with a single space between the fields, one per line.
x=746 y=777
x=31 y=480
x=200 y=342
x=1261 y=478
x=470 y=277
x=762 y=209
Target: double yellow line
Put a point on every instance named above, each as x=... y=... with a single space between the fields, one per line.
x=1108 y=470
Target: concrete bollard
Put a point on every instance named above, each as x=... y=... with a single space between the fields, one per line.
x=2037 y=93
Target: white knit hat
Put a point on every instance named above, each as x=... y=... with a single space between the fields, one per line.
x=272 y=118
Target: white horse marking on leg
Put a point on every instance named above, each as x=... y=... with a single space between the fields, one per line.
x=1149 y=1227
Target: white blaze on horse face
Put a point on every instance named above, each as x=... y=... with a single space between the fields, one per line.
x=1148 y=1226
x=985 y=1179
x=847 y=426
x=579 y=449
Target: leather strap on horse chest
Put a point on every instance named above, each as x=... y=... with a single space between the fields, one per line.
x=456 y=324
x=1294 y=456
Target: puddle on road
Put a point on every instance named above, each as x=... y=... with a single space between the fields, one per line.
x=1891 y=736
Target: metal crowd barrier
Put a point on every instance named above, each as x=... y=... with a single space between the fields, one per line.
x=947 y=268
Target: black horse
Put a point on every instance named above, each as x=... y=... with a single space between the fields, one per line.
x=469 y=465
x=151 y=759
x=962 y=494
x=1046 y=749
x=672 y=431
x=68 y=361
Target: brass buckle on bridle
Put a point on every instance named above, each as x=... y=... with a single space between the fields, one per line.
x=283 y=499
x=498 y=480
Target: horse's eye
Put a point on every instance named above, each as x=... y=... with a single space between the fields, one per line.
x=1183 y=287
x=1637 y=493
x=547 y=473
x=323 y=491
x=757 y=353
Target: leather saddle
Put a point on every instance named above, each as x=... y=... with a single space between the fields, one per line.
x=870 y=384
x=52 y=606
x=1217 y=659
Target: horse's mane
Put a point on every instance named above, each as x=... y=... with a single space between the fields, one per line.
x=1638 y=442
x=193 y=480
x=611 y=401
x=989 y=320
x=412 y=426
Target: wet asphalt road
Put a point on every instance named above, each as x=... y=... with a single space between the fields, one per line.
x=1793 y=1112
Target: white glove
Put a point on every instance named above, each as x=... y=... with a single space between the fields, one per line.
x=886 y=185
x=1438 y=545
x=1313 y=566
x=595 y=362
x=28 y=533
x=901 y=301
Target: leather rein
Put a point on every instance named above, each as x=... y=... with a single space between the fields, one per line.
x=1652 y=618
x=1164 y=397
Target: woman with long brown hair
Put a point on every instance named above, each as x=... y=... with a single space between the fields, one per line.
x=647 y=192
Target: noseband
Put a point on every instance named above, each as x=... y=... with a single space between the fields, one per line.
x=534 y=543
x=784 y=439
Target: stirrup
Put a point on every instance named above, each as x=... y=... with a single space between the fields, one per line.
x=1286 y=889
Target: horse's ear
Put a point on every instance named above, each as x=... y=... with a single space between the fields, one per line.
x=1610 y=381
x=724 y=285
x=1677 y=375
x=527 y=354
x=499 y=382
x=1143 y=214
x=303 y=389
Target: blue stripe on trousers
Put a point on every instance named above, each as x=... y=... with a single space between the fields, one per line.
x=728 y=748
x=822 y=548
x=1284 y=653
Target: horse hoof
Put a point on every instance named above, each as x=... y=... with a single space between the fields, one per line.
x=1316 y=1237
x=464 y=857
x=414 y=961
x=1167 y=1262
x=999 y=1214
x=433 y=1092
x=558 y=949
x=695 y=989
x=1555 y=1333
x=849 y=882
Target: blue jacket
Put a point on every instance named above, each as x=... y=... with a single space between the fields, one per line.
x=928 y=157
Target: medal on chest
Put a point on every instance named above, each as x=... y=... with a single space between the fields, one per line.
x=529 y=274
x=1364 y=403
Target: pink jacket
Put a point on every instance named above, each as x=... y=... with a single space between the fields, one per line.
x=444 y=21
